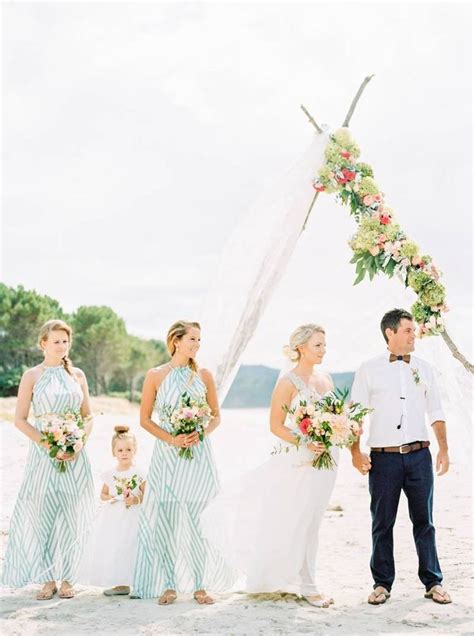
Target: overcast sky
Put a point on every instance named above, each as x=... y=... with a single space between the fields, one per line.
x=136 y=135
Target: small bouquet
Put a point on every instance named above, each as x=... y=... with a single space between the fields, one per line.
x=191 y=415
x=126 y=485
x=64 y=433
x=328 y=421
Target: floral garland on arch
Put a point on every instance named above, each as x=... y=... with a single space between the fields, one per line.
x=380 y=245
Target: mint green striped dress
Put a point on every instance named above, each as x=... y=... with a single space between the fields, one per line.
x=171 y=552
x=53 y=510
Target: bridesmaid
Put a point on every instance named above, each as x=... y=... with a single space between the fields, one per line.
x=172 y=554
x=53 y=510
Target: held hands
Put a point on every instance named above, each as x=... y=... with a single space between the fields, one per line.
x=362 y=462
x=442 y=462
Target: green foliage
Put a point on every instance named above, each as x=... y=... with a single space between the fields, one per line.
x=22 y=312
x=111 y=358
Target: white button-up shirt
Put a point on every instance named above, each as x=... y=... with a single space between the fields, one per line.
x=402 y=397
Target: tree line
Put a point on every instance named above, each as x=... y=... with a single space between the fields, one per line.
x=113 y=360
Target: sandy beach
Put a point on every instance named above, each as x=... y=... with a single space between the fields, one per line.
x=343 y=554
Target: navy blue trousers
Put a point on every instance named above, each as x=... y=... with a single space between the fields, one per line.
x=390 y=474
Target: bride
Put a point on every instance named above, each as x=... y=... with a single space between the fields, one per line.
x=269 y=530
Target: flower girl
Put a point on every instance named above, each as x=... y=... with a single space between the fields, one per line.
x=109 y=556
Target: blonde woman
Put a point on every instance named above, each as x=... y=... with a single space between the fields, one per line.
x=172 y=555
x=53 y=509
x=268 y=530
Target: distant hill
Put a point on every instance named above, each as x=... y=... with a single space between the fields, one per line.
x=253 y=386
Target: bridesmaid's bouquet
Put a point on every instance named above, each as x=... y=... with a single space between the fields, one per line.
x=331 y=421
x=64 y=433
x=191 y=415
x=126 y=485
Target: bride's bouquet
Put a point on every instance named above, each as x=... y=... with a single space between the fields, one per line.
x=191 y=415
x=331 y=421
x=64 y=433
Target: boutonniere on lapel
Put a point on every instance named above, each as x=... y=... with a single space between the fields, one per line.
x=416 y=376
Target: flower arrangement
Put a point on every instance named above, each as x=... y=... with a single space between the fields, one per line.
x=126 y=485
x=331 y=421
x=380 y=245
x=64 y=434
x=191 y=415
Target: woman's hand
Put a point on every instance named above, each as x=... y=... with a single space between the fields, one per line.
x=66 y=457
x=316 y=447
x=186 y=441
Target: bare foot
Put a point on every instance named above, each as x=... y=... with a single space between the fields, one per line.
x=203 y=598
x=47 y=591
x=66 y=590
x=319 y=600
x=438 y=595
x=379 y=596
x=167 y=598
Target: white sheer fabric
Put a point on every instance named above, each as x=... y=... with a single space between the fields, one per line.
x=253 y=262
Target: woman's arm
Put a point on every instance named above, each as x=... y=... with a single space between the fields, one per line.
x=23 y=404
x=281 y=400
x=212 y=400
x=153 y=380
x=86 y=411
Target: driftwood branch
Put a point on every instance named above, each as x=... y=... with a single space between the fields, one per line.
x=456 y=353
x=351 y=110
x=316 y=194
x=346 y=123
x=311 y=119
x=446 y=337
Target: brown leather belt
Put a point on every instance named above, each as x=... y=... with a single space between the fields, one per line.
x=404 y=449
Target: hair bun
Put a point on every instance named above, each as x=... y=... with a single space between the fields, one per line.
x=290 y=353
x=121 y=428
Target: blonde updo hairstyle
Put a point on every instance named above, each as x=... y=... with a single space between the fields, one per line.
x=123 y=432
x=300 y=337
x=175 y=333
x=57 y=325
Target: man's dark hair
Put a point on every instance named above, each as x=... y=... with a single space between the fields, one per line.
x=392 y=320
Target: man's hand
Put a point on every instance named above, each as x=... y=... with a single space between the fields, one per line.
x=442 y=462
x=362 y=462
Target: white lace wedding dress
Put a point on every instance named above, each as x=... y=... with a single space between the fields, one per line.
x=267 y=527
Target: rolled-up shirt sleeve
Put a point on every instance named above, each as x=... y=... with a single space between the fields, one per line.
x=434 y=407
x=360 y=387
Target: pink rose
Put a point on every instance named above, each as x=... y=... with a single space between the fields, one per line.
x=349 y=174
x=304 y=425
x=377 y=197
x=368 y=199
x=385 y=220
x=416 y=260
x=374 y=250
x=406 y=262
x=319 y=187
x=345 y=154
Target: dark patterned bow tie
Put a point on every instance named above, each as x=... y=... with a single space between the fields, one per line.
x=394 y=358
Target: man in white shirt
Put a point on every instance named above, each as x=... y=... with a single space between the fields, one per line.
x=402 y=391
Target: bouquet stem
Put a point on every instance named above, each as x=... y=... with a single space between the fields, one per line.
x=324 y=461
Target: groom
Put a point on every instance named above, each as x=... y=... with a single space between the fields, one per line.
x=401 y=389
